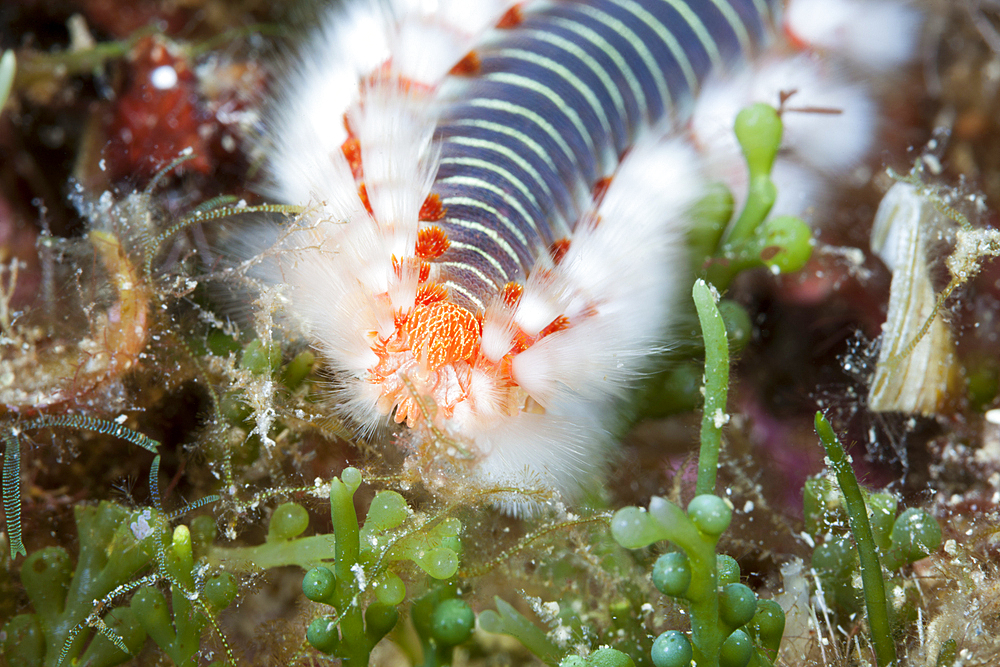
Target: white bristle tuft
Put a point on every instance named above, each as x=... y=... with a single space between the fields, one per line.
x=872 y=34
x=541 y=303
x=498 y=332
x=430 y=42
x=830 y=124
x=395 y=129
x=306 y=131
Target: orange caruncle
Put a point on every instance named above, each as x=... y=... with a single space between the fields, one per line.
x=443 y=333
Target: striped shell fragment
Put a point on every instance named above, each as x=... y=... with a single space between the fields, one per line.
x=493 y=244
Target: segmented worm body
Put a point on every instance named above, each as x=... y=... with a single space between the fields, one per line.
x=547 y=108
x=497 y=200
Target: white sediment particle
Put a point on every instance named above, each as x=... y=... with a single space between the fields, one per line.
x=359 y=576
x=163 y=77
x=141 y=527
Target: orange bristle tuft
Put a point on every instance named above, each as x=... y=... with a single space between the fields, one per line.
x=432 y=242
x=363 y=194
x=511 y=294
x=559 y=249
x=431 y=210
x=431 y=293
x=561 y=323
x=469 y=64
x=512 y=18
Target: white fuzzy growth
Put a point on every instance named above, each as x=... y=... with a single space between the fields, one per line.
x=873 y=34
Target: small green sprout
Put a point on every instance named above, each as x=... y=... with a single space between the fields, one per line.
x=361 y=563
x=881 y=539
x=8 y=67
x=783 y=243
x=730 y=627
x=509 y=621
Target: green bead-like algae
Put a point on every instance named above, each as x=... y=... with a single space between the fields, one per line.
x=728 y=568
x=633 y=528
x=24 y=641
x=609 y=657
x=672 y=573
x=260 y=360
x=220 y=590
x=351 y=477
x=379 y=620
x=440 y=563
x=288 y=521
x=882 y=509
x=736 y=650
x=298 y=369
x=787 y=243
x=915 y=535
x=769 y=625
x=154 y=615
x=390 y=589
x=710 y=514
x=452 y=622
x=319 y=584
x=737 y=605
x=387 y=511
x=759 y=129
x=322 y=635
x=672 y=649
x=46 y=576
